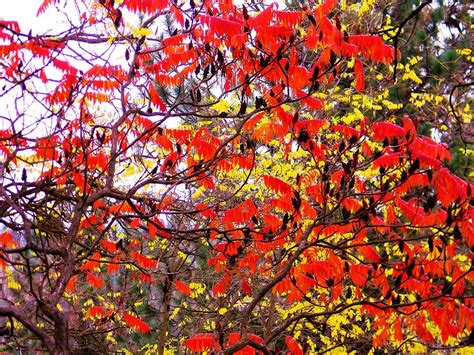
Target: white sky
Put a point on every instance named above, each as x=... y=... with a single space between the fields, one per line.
x=24 y=11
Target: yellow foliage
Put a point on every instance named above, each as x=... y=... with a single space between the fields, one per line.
x=365 y=6
x=141 y=32
x=464 y=51
x=410 y=74
x=221 y=106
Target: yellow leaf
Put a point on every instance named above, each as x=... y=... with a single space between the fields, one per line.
x=464 y=51
x=221 y=106
x=13 y=285
x=412 y=76
x=89 y=302
x=141 y=32
x=129 y=171
x=415 y=60
x=175 y=312
x=199 y=192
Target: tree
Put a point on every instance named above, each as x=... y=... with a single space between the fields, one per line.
x=220 y=177
x=432 y=78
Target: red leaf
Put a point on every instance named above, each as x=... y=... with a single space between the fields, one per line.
x=14 y=24
x=388 y=161
x=6 y=240
x=222 y=26
x=145 y=6
x=449 y=187
x=246 y=287
x=277 y=185
x=359 y=274
x=409 y=126
x=113 y=266
x=64 y=66
x=121 y=208
x=109 y=246
x=282 y=287
x=94 y=280
x=263 y=18
x=240 y=213
x=359 y=74
x=289 y=18
x=169 y=162
x=369 y=253
x=428 y=147
x=299 y=76
x=155 y=97
x=221 y=287
x=136 y=324
x=151 y=230
x=95 y=311
x=293 y=346
x=372 y=47
x=44 y=6
x=346 y=131
x=388 y=130
x=398 y=334
x=200 y=342
x=71 y=285
x=311 y=126
x=183 y=288
x=144 y=261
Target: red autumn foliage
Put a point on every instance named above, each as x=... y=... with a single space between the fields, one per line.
x=203 y=185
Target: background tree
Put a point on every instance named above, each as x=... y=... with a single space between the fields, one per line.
x=432 y=81
x=199 y=176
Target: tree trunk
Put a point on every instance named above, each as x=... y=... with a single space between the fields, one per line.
x=167 y=292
